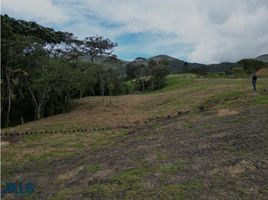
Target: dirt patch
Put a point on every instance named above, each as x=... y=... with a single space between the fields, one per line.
x=102 y=173
x=240 y=168
x=226 y=112
x=69 y=175
x=4 y=144
x=263 y=72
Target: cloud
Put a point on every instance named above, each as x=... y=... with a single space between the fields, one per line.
x=45 y=11
x=201 y=30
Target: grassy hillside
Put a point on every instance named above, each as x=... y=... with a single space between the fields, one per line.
x=197 y=138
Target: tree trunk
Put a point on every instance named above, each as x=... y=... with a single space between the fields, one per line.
x=102 y=91
x=93 y=91
x=142 y=80
x=39 y=107
x=36 y=106
x=152 y=85
x=102 y=85
x=81 y=94
x=9 y=96
x=110 y=93
x=22 y=120
x=51 y=112
x=38 y=112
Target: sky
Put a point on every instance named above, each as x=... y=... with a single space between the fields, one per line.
x=204 y=31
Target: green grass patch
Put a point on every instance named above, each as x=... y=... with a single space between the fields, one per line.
x=174 y=82
x=261 y=100
x=79 y=146
x=172 y=168
x=132 y=178
x=222 y=99
x=229 y=95
x=92 y=168
x=63 y=194
x=51 y=155
x=101 y=191
x=235 y=151
x=130 y=85
x=187 y=125
x=32 y=138
x=178 y=191
x=8 y=170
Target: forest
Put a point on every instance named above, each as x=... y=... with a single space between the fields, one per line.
x=43 y=70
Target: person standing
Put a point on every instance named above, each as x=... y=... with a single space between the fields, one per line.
x=254 y=81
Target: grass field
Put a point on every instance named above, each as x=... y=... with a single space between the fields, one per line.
x=197 y=138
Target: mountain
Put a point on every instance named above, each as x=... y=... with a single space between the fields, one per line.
x=174 y=65
x=263 y=58
x=178 y=66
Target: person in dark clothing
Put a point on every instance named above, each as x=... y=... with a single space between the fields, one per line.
x=254 y=81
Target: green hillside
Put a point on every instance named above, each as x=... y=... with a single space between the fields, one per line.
x=196 y=138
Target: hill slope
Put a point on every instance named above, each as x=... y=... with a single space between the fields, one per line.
x=263 y=58
x=194 y=139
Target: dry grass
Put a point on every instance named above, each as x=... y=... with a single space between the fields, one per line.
x=69 y=174
x=263 y=72
x=226 y=112
x=135 y=109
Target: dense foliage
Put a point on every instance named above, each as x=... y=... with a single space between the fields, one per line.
x=251 y=65
x=147 y=77
x=245 y=68
x=42 y=70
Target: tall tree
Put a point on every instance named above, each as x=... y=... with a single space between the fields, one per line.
x=113 y=74
x=151 y=66
x=98 y=46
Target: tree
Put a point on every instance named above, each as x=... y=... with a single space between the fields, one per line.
x=131 y=71
x=186 y=68
x=151 y=66
x=12 y=52
x=142 y=70
x=27 y=50
x=163 y=61
x=86 y=79
x=158 y=75
x=251 y=65
x=98 y=46
x=42 y=70
x=200 y=71
x=113 y=74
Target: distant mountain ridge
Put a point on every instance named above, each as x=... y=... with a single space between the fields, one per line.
x=176 y=65
x=263 y=58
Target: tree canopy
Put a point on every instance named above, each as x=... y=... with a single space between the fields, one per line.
x=42 y=70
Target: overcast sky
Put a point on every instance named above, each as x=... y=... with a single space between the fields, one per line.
x=206 y=31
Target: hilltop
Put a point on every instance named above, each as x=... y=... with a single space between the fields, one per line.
x=174 y=65
x=263 y=58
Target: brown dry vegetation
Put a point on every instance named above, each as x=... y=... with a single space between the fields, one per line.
x=263 y=72
x=135 y=109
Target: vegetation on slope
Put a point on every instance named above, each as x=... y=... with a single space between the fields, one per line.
x=43 y=70
x=207 y=140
